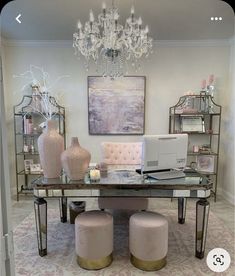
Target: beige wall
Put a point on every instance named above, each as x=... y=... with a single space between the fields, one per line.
x=173 y=69
x=227 y=162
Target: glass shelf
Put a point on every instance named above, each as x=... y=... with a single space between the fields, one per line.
x=23 y=172
x=202 y=153
x=36 y=113
x=27 y=153
x=195 y=132
x=195 y=114
x=28 y=135
x=26 y=191
x=206 y=173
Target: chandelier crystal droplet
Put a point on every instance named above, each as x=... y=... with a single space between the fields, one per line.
x=111 y=45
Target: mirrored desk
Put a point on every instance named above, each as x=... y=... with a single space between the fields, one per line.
x=124 y=183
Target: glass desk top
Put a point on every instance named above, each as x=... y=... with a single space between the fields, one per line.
x=123 y=179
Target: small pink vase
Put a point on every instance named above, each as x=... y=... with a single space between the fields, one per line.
x=75 y=160
x=50 y=147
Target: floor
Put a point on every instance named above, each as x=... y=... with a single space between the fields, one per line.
x=221 y=209
x=224 y=210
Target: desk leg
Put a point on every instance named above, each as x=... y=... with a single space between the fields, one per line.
x=63 y=209
x=182 y=202
x=202 y=213
x=40 y=208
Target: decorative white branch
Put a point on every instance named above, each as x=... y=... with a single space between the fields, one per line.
x=44 y=88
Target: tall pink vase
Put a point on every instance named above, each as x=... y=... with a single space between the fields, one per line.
x=50 y=147
x=75 y=160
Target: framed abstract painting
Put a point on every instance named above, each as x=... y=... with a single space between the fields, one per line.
x=116 y=106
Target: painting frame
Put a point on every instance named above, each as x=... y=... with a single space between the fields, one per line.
x=137 y=125
x=27 y=163
x=205 y=164
x=192 y=124
x=35 y=168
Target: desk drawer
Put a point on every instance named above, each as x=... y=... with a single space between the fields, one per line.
x=59 y=193
x=125 y=193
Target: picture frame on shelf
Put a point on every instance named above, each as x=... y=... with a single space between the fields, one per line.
x=27 y=164
x=116 y=106
x=35 y=168
x=205 y=163
x=206 y=149
x=192 y=124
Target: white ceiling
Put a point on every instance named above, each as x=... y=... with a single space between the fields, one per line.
x=167 y=19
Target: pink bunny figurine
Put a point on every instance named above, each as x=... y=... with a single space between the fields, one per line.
x=211 y=79
x=203 y=84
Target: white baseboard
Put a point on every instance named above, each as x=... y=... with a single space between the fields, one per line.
x=226 y=195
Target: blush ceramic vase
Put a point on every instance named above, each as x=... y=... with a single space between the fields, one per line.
x=50 y=147
x=75 y=160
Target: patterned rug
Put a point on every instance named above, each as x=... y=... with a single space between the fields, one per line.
x=61 y=259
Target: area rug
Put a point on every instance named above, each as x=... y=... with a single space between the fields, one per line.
x=61 y=258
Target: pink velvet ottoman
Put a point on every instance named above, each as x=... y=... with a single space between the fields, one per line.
x=148 y=240
x=94 y=239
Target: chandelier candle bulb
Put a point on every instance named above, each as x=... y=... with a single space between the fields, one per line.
x=132 y=13
x=92 y=19
x=146 y=29
x=127 y=43
x=104 y=6
x=79 y=25
x=132 y=10
x=116 y=16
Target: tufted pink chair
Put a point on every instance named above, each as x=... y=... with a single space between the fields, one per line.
x=125 y=155
x=121 y=153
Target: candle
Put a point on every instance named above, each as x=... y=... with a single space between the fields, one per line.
x=103 y=167
x=132 y=13
x=79 y=25
x=95 y=175
x=116 y=16
x=91 y=16
x=146 y=29
x=104 y=6
x=132 y=10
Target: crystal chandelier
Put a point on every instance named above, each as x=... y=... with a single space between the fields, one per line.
x=111 y=45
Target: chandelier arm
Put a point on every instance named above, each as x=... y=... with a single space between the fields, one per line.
x=111 y=44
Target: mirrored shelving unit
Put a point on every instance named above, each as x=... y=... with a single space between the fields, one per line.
x=29 y=122
x=200 y=117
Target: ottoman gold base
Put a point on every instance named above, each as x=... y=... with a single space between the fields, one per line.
x=95 y=264
x=148 y=265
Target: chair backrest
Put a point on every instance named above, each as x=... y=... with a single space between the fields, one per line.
x=121 y=153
